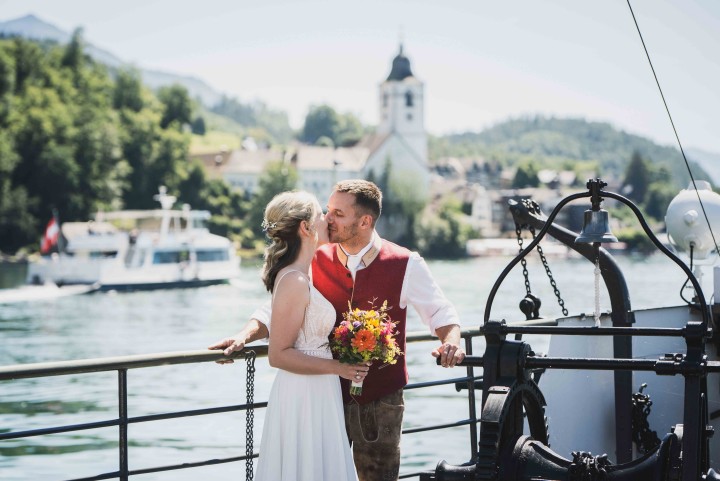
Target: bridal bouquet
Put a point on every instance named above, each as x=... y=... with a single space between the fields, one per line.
x=365 y=336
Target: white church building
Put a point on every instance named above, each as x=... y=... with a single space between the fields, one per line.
x=400 y=141
x=400 y=136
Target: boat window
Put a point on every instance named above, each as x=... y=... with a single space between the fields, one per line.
x=170 y=257
x=212 y=255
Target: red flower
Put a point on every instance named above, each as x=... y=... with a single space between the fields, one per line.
x=364 y=341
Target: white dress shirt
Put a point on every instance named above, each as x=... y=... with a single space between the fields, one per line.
x=354 y=260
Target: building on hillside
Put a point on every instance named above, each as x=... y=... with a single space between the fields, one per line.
x=240 y=168
x=400 y=143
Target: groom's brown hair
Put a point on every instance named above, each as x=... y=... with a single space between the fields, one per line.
x=368 y=196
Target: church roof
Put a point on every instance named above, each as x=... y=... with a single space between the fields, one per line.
x=373 y=141
x=400 y=67
x=313 y=157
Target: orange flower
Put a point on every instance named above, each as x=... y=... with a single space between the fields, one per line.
x=364 y=341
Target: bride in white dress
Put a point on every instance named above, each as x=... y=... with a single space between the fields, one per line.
x=304 y=436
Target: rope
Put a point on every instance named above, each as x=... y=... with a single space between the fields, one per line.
x=597 y=291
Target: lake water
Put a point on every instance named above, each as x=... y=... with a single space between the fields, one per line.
x=108 y=324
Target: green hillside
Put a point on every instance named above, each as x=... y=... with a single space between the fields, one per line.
x=563 y=143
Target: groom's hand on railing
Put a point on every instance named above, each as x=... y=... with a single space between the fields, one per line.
x=448 y=354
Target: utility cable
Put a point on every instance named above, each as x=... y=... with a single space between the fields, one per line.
x=677 y=137
x=682 y=289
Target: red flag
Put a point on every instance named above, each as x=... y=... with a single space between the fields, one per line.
x=52 y=233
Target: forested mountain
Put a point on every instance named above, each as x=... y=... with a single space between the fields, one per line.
x=32 y=27
x=562 y=143
x=256 y=115
x=247 y=115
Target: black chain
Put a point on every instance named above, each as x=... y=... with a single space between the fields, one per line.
x=533 y=207
x=249 y=414
x=586 y=467
x=561 y=302
x=518 y=232
x=645 y=439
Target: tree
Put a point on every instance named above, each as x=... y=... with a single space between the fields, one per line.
x=177 y=106
x=127 y=93
x=321 y=121
x=637 y=178
x=658 y=199
x=7 y=73
x=73 y=140
x=443 y=235
x=28 y=60
x=349 y=131
x=227 y=206
x=73 y=55
x=198 y=126
x=402 y=204
x=43 y=142
x=156 y=157
x=16 y=222
x=526 y=176
x=97 y=153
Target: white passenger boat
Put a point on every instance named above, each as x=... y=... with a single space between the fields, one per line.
x=136 y=249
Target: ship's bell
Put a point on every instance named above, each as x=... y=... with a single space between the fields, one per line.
x=596 y=228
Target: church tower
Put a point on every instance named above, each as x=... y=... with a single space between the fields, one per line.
x=402 y=109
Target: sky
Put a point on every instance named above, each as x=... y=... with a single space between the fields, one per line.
x=481 y=61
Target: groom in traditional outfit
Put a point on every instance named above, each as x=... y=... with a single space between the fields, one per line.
x=360 y=268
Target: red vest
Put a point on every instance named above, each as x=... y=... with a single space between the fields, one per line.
x=381 y=281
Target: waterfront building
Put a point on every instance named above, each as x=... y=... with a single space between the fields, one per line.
x=399 y=143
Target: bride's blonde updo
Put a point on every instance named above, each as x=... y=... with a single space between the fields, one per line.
x=283 y=216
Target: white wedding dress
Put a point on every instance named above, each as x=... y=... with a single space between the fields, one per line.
x=304 y=436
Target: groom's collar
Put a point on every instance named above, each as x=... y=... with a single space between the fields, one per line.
x=369 y=256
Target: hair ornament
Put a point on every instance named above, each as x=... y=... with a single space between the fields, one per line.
x=266 y=226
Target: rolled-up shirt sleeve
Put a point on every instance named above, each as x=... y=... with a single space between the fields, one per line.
x=422 y=292
x=263 y=314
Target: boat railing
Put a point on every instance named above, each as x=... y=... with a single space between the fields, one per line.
x=470 y=382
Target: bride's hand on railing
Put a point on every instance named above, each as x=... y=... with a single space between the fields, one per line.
x=228 y=345
x=254 y=330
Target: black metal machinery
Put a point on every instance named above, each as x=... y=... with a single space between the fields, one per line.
x=511 y=398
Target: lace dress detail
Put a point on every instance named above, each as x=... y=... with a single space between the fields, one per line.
x=319 y=321
x=304 y=437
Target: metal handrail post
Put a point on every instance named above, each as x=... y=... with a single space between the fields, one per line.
x=123 y=423
x=471 y=403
